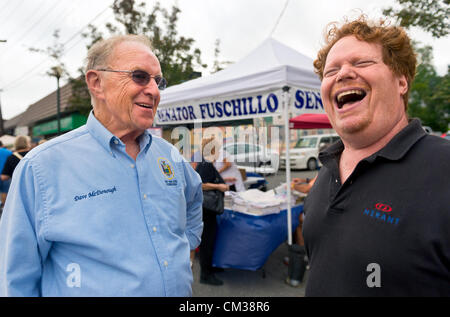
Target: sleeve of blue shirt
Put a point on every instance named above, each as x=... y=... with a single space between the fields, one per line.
x=194 y=200
x=22 y=246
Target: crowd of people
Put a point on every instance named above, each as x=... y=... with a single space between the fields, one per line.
x=110 y=210
x=8 y=162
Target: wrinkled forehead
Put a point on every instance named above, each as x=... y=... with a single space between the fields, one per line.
x=133 y=54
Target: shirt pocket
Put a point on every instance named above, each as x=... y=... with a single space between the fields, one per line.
x=168 y=199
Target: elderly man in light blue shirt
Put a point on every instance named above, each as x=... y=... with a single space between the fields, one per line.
x=106 y=209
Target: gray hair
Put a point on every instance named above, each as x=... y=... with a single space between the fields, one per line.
x=100 y=52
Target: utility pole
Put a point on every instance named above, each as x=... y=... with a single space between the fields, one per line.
x=57 y=72
x=2 y=130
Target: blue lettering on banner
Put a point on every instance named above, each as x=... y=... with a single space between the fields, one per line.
x=210 y=114
x=202 y=109
x=300 y=97
x=191 y=113
x=236 y=107
x=275 y=102
x=219 y=109
x=252 y=111
x=261 y=110
x=185 y=113
x=246 y=106
x=225 y=103
x=308 y=100
x=309 y=103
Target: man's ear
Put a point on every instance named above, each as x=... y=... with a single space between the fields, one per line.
x=94 y=84
x=403 y=85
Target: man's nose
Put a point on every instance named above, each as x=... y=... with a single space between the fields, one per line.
x=346 y=72
x=152 y=88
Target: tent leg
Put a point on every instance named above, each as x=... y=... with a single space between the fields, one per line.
x=288 y=163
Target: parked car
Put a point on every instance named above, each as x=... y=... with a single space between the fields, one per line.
x=248 y=154
x=306 y=151
x=446 y=135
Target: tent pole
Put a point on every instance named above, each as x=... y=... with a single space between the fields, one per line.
x=288 y=163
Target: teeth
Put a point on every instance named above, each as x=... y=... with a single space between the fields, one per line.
x=348 y=92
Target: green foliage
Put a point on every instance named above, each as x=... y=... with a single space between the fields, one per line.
x=80 y=99
x=430 y=93
x=178 y=59
x=430 y=15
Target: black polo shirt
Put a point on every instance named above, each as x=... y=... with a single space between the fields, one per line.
x=386 y=230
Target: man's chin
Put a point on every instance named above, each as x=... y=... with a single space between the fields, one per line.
x=352 y=127
x=144 y=124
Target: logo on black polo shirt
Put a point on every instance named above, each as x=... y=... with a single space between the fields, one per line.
x=167 y=169
x=382 y=213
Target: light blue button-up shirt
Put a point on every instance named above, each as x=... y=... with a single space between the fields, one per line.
x=83 y=218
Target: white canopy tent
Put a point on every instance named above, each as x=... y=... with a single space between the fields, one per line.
x=272 y=80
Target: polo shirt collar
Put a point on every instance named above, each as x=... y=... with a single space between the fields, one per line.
x=394 y=150
x=402 y=142
x=108 y=140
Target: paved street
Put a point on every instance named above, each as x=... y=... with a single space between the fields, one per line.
x=242 y=283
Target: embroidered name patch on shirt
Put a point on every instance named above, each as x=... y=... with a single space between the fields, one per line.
x=95 y=193
x=168 y=171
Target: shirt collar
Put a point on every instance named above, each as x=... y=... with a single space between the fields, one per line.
x=394 y=150
x=108 y=140
x=402 y=142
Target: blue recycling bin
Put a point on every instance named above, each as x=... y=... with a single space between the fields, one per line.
x=246 y=241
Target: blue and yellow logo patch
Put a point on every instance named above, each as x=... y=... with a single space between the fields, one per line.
x=167 y=169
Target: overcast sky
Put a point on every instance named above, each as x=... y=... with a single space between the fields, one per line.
x=241 y=25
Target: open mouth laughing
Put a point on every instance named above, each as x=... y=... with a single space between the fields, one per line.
x=348 y=97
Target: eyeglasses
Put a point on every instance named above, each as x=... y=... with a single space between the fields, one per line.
x=140 y=77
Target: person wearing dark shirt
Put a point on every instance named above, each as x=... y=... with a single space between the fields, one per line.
x=377 y=218
x=211 y=180
x=4 y=185
x=21 y=146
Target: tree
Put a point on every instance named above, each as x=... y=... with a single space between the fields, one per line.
x=431 y=15
x=178 y=58
x=430 y=93
x=55 y=52
x=58 y=70
x=218 y=65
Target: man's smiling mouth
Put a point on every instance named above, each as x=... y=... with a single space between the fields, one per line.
x=144 y=105
x=349 y=97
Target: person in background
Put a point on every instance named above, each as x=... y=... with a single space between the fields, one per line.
x=303 y=186
x=211 y=180
x=21 y=148
x=4 y=185
x=377 y=218
x=106 y=209
x=229 y=172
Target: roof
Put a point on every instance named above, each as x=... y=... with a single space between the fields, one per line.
x=42 y=109
x=272 y=64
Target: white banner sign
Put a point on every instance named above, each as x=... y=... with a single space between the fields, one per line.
x=244 y=107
